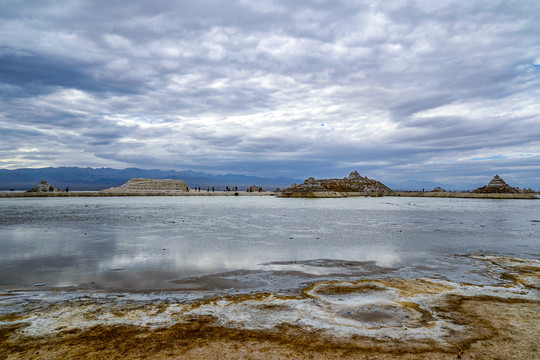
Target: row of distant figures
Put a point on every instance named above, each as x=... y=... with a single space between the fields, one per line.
x=228 y=188
x=50 y=189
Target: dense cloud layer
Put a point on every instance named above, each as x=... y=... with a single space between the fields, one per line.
x=435 y=90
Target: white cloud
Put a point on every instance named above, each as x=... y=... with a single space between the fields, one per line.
x=235 y=86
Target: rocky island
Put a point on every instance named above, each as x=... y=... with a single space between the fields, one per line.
x=353 y=185
x=139 y=187
x=496 y=189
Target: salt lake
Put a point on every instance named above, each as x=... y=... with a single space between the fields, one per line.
x=254 y=243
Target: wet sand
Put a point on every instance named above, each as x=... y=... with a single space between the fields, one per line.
x=388 y=318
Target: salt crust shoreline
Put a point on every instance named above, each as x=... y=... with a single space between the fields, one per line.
x=468 y=195
x=133 y=193
x=329 y=194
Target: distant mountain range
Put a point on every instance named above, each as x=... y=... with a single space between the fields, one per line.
x=97 y=179
x=80 y=179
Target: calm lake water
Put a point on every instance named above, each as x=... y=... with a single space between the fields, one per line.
x=253 y=243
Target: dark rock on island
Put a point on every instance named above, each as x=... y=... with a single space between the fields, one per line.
x=352 y=185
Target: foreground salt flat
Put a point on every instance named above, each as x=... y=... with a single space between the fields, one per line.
x=341 y=280
x=389 y=318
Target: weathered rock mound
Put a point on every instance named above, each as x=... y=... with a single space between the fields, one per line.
x=149 y=185
x=497 y=186
x=438 y=189
x=44 y=186
x=354 y=183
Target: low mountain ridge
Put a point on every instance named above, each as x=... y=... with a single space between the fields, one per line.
x=102 y=178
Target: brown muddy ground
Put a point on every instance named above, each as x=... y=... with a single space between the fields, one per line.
x=497 y=329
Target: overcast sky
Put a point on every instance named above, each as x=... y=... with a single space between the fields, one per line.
x=429 y=90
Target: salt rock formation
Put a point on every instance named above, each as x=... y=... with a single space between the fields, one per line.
x=43 y=186
x=498 y=186
x=353 y=183
x=438 y=189
x=149 y=185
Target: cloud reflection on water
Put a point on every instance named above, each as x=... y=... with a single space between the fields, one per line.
x=149 y=242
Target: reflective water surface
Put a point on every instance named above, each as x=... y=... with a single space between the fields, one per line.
x=253 y=243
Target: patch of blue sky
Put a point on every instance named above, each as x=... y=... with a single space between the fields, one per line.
x=146 y=120
x=495 y=157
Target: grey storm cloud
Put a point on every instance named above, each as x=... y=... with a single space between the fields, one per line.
x=396 y=90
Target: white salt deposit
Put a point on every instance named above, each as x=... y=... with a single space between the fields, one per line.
x=393 y=307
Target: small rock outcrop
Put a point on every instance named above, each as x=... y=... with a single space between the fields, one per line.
x=254 y=188
x=497 y=186
x=438 y=189
x=44 y=186
x=354 y=183
x=149 y=185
